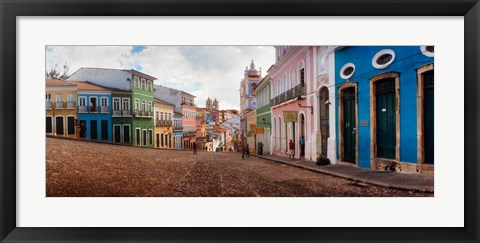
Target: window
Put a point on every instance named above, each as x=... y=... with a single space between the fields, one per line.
x=59 y=98
x=137 y=136
x=69 y=97
x=93 y=104
x=347 y=70
x=82 y=101
x=302 y=76
x=104 y=101
x=428 y=51
x=149 y=85
x=383 y=58
x=144 y=86
x=150 y=137
x=116 y=104
x=144 y=106
x=126 y=104
x=137 y=104
x=136 y=83
x=149 y=106
x=161 y=115
x=48 y=97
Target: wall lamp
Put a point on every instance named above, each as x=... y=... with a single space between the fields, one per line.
x=299 y=103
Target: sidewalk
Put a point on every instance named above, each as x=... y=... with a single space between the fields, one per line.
x=397 y=180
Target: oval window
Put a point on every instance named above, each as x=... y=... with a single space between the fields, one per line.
x=428 y=51
x=383 y=58
x=347 y=71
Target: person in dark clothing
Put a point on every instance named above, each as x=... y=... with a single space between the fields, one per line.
x=260 y=148
x=247 y=151
x=302 y=146
x=291 y=146
x=194 y=148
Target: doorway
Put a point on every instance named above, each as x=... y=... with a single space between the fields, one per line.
x=349 y=125
x=83 y=128
x=93 y=129
x=428 y=116
x=324 y=120
x=385 y=118
x=117 y=135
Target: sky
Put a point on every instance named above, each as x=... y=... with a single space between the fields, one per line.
x=204 y=71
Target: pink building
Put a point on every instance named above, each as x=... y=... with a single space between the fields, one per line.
x=303 y=90
x=289 y=78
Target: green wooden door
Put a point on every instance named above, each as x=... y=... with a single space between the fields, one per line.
x=386 y=135
x=428 y=116
x=349 y=125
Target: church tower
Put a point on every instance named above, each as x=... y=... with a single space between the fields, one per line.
x=248 y=84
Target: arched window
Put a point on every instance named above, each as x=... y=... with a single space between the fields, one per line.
x=301 y=72
x=292 y=78
x=322 y=62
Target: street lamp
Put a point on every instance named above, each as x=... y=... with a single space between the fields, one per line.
x=299 y=103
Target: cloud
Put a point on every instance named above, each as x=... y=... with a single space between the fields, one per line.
x=204 y=71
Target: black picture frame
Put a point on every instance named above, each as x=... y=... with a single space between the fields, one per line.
x=10 y=9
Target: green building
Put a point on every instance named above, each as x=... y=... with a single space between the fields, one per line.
x=264 y=114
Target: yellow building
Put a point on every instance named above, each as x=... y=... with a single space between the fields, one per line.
x=163 y=125
x=251 y=130
x=61 y=108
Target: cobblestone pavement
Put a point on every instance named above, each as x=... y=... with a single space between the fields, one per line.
x=77 y=168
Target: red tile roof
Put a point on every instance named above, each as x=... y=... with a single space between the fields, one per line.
x=57 y=82
x=88 y=86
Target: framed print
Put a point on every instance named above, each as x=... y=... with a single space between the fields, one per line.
x=153 y=157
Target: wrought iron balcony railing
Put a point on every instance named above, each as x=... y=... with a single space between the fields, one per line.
x=163 y=123
x=290 y=94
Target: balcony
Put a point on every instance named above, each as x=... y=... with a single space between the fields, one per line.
x=71 y=105
x=59 y=105
x=178 y=128
x=187 y=103
x=143 y=114
x=126 y=113
x=117 y=113
x=159 y=123
x=93 y=109
x=188 y=133
x=104 y=109
x=290 y=94
x=82 y=109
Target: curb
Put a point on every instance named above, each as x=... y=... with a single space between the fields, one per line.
x=348 y=177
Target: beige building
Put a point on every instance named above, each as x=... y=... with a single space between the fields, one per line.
x=61 y=109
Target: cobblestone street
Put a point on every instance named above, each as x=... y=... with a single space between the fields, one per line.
x=77 y=168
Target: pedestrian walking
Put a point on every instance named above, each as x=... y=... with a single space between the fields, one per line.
x=302 y=146
x=242 y=150
x=291 y=146
x=194 y=148
x=247 y=151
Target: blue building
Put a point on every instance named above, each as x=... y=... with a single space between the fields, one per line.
x=94 y=111
x=177 y=130
x=385 y=107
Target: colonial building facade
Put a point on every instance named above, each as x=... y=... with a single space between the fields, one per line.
x=264 y=114
x=385 y=107
x=61 y=109
x=163 y=124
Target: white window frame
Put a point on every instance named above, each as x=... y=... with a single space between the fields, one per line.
x=149 y=107
x=150 y=139
x=149 y=85
x=70 y=97
x=140 y=136
x=80 y=98
x=123 y=102
x=144 y=84
x=117 y=100
x=144 y=105
x=57 y=96
x=347 y=65
x=382 y=52
x=104 y=98
x=55 y=122
x=136 y=82
x=137 y=104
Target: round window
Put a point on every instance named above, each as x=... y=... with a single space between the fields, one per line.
x=383 y=58
x=428 y=51
x=347 y=70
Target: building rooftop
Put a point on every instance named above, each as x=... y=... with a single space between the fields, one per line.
x=57 y=82
x=87 y=86
x=123 y=70
x=159 y=101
